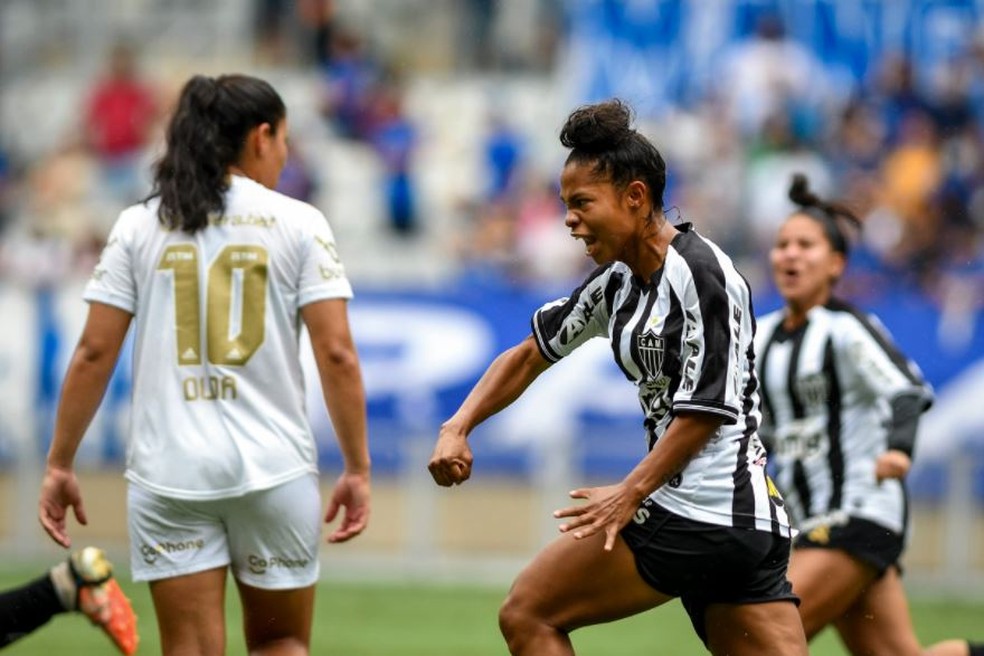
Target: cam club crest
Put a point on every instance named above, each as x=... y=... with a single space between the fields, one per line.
x=650 y=347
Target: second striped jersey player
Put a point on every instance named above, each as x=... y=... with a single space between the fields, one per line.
x=685 y=338
x=837 y=393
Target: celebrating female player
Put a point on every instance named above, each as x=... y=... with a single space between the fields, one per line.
x=697 y=518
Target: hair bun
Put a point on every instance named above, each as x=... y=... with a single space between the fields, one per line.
x=799 y=192
x=597 y=127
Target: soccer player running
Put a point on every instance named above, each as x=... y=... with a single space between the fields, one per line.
x=697 y=518
x=841 y=405
x=219 y=270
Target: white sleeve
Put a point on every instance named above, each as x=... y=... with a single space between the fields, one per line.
x=112 y=281
x=878 y=365
x=322 y=272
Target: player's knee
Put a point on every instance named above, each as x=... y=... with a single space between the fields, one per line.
x=517 y=621
x=279 y=647
x=511 y=616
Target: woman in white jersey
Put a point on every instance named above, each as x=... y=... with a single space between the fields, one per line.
x=697 y=518
x=218 y=271
x=841 y=405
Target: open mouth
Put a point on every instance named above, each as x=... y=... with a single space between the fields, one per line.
x=588 y=241
x=789 y=275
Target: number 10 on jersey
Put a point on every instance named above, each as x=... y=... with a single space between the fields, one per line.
x=235 y=303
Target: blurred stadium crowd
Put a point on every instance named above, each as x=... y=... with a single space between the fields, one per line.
x=436 y=145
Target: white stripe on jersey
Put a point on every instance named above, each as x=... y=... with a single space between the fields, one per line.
x=218 y=392
x=826 y=389
x=685 y=339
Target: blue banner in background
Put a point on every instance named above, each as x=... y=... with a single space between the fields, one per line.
x=423 y=350
x=660 y=53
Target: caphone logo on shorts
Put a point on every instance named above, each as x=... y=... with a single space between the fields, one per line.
x=151 y=553
x=260 y=564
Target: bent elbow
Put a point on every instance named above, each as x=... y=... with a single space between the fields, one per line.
x=338 y=356
x=93 y=351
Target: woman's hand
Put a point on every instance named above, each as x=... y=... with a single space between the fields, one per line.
x=892 y=464
x=451 y=462
x=352 y=493
x=59 y=492
x=607 y=509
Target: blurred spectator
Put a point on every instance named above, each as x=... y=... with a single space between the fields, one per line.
x=487 y=247
x=856 y=146
x=318 y=16
x=894 y=95
x=121 y=110
x=63 y=200
x=349 y=79
x=394 y=138
x=60 y=218
x=504 y=150
x=911 y=177
x=270 y=19
x=768 y=74
x=293 y=31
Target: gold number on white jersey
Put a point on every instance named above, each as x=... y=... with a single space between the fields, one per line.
x=236 y=288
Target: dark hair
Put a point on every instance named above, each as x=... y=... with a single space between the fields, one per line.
x=831 y=216
x=600 y=133
x=205 y=136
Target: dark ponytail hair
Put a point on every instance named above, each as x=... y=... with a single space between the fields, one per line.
x=832 y=217
x=205 y=136
x=601 y=134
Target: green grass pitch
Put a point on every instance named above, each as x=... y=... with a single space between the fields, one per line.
x=404 y=619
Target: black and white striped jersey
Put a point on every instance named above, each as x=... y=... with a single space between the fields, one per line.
x=685 y=338
x=827 y=388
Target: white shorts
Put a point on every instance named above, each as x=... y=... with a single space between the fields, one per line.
x=268 y=538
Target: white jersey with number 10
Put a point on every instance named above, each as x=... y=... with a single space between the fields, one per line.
x=218 y=391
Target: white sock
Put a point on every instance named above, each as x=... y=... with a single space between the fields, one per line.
x=64 y=582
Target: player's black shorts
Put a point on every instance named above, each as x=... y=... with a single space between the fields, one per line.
x=863 y=539
x=705 y=563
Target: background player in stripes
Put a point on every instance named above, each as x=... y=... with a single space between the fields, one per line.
x=218 y=271
x=697 y=518
x=841 y=406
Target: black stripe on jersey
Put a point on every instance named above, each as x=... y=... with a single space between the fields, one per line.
x=743 y=503
x=715 y=311
x=615 y=282
x=673 y=340
x=802 y=487
x=622 y=316
x=794 y=356
x=892 y=351
x=835 y=457
x=548 y=322
x=767 y=416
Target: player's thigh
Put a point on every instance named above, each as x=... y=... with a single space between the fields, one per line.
x=573 y=583
x=827 y=581
x=765 y=629
x=274 y=535
x=878 y=623
x=190 y=612
x=271 y=616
